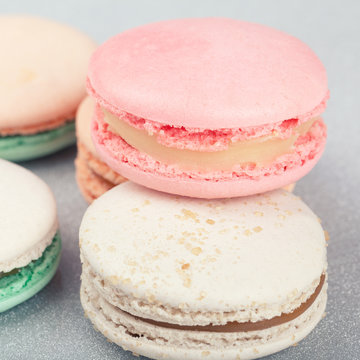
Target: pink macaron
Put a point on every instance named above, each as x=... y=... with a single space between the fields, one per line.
x=208 y=108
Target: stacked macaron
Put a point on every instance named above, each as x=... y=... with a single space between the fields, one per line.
x=93 y=176
x=224 y=113
x=42 y=84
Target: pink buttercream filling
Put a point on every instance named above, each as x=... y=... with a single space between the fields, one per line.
x=205 y=139
x=306 y=148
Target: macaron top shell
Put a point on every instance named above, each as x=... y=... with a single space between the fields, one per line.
x=28 y=219
x=219 y=255
x=208 y=73
x=43 y=70
x=84 y=117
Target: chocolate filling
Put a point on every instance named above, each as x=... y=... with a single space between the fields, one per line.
x=235 y=326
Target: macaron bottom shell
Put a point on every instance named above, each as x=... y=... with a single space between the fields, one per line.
x=120 y=328
x=29 y=280
x=28 y=147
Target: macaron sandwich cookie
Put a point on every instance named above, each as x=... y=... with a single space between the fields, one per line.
x=93 y=176
x=208 y=108
x=43 y=72
x=30 y=244
x=173 y=277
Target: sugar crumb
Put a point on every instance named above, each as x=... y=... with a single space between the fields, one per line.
x=327 y=236
x=196 y=251
x=187 y=282
x=257 y=229
x=202 y=295
x=188 y=214
x=111 y=248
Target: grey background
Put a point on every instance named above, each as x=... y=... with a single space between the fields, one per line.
x=51 y=325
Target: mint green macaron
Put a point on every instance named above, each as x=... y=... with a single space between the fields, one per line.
x=28 y=147
x=21 y=284
x=30 y=243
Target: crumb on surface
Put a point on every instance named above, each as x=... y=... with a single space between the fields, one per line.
x=202 y=295
x=327 y=236
x=188 y=214
x=258 y=213
x=185 y=266
x=196 y=251
x=257 y=229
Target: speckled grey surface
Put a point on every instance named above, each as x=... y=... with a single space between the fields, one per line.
x=51 y=325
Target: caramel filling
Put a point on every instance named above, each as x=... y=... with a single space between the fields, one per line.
x=261 y=151
x=245 y=326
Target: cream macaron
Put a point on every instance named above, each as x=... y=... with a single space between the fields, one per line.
x=181 y=278
x=93 y=176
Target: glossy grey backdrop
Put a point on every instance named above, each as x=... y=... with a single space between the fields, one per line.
x=52 y=326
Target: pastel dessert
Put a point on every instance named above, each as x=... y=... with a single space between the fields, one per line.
x=93 y=176
x=172 y=277
x=30 y=243
x=42 y=82
x=208 y=108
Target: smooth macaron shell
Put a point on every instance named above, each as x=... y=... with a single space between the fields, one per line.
x=208 y=73
x=155 y=266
